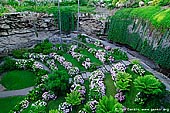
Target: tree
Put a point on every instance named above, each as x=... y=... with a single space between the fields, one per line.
x=148 y=84
x=109 y=105
x=58 y=81
x=74 y=98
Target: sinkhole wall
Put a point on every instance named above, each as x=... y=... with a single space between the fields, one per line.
x=24 y=29
x=141 y=35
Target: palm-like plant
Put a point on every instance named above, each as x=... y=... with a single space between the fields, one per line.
x=123 y=76
x=74 y=98
x=109 y=105
x=122 y=80
x=148 y=84
x=123 y=86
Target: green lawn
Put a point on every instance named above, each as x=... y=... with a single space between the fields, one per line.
x=110 y=88
x=6 y=104
x=60 y=67
x=69 y=58
x=92 y=57
x=18 y=79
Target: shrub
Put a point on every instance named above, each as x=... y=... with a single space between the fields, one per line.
x=9 y=64
x=123 y=80
x=109 y=105
x=44 y=47
x=19 y=53
x=74 y=98
x=148 y=84
x=58 y=82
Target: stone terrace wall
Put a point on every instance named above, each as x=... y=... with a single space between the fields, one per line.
x=25 y=29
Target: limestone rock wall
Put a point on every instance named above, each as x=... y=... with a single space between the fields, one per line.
x=24 y=29
x=146 y=31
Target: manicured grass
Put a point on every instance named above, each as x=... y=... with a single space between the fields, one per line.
x=73 y=61
x=110 y=88
x=60 y=67
x=92 y=57
x=6 y=104
x=18 y=79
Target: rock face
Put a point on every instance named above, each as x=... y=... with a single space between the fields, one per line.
x=147 y=32
x=95 y=24
x=25 y=29
x=21 y=30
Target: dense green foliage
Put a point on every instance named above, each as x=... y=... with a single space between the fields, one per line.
x=109 y=105
x=118 y=31
x=9 y=64
x=148 y=84
x=45 y=47
x=74 y=98
x=14 y=80
x=6 y=104
x=157 y=16
x=58 y=82
x=19 y=53
x=123 y=81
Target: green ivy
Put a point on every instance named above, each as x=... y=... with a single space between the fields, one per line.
x=118 y=31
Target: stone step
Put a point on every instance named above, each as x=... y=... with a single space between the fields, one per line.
x=108 y=67
x=88 y=74
x=84 y=75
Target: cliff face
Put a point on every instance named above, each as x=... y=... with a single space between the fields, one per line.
x=143 y=37
x=19 y=30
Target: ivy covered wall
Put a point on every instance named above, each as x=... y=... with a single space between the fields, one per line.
x=142 y=35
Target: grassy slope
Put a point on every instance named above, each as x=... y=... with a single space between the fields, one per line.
x=73 y=61
x=16 y=79
x=6 y=104
x=110 y=88
x=92 y=57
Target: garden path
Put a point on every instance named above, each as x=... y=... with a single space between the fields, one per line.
x=21 y=92
x=147 y=64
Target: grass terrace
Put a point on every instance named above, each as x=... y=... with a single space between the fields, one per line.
x=18 y=79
